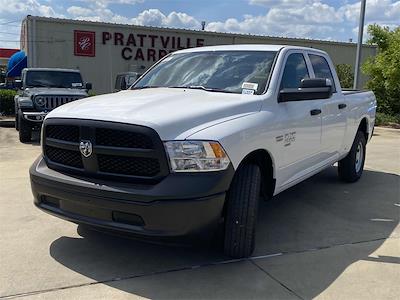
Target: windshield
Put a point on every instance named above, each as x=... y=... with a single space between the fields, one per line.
x=222 y=71
x=53 y=79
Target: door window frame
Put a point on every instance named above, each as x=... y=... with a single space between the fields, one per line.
x=308 y=66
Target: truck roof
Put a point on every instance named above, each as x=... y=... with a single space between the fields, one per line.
x=53 y=69
x=247 y=47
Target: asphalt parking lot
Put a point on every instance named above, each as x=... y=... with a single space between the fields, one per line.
x=321 y=239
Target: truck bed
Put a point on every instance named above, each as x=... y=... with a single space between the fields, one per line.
x=352 y=91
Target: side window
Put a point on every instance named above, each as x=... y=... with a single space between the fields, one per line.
x=295 y=70
x=321 y=68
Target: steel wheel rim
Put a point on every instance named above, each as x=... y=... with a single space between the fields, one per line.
x=359 y=156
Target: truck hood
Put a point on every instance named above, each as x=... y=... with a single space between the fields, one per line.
x=54 y=91
x=173 y=113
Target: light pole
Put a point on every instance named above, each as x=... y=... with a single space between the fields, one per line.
x=359 y=44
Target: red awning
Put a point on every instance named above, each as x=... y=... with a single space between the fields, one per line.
x=7 y=53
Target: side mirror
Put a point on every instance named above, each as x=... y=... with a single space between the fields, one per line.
x=88 y=86
x=18 y=84
x=310 y=89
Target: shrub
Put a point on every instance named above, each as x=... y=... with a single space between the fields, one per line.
x=383 y=119
x=346 y=75
x=7 y=102
x=383 y=70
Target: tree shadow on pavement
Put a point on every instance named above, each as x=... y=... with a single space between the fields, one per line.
x=320 y=213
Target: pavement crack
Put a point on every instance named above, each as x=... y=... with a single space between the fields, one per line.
x=251 y=259
x=115 y=279
x=276 y=280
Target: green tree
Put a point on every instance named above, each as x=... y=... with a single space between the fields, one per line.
x=384 y=69
x=346 y=75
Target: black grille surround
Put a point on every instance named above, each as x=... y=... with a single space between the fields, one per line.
x=120 y=152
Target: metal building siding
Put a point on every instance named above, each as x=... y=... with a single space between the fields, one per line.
x=51 y=44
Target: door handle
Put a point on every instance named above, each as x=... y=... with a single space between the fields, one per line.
x=342 y=105
x=315 y=112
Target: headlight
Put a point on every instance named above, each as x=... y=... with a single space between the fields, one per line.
x=40 y=101
x=196 y=156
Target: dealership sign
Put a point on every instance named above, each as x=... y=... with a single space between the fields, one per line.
x=132 y=45
x=84 y=43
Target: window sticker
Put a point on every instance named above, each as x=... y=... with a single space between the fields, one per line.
x=247 y=92
x=250 y=86
x=76 y=84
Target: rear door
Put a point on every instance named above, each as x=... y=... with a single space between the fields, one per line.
x=333 y=109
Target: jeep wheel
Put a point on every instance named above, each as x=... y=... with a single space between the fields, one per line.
x=351 y=167
x=16 y=120
x=241 y=212
x=25 y=130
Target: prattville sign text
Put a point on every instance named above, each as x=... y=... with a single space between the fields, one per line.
x=133 y=45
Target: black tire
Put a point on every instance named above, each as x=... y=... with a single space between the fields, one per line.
x=25 y=130
x=241 y=212
x=16 y=120
x=351 y=167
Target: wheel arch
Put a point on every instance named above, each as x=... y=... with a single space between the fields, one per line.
x=264 y=160
x=364 y=127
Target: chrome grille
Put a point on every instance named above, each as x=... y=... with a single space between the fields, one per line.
x=53 y=101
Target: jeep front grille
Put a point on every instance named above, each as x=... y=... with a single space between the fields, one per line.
x=119 y=151
x=53 y=101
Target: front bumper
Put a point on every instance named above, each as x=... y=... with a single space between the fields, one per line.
x=181 y=204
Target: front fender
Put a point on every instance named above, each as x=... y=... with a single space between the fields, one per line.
x=23 y=102
x=243 y=135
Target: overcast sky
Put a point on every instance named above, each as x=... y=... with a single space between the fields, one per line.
x=315 y=19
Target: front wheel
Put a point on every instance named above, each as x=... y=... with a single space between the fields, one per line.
x=16 y=121
x=241 y=212
x=25 y=129
x=351 y=167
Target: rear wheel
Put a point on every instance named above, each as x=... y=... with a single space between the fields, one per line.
x=25 y=129
x=351 y=167
x=241 y=213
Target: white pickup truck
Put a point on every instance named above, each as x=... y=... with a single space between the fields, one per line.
x=198 y=138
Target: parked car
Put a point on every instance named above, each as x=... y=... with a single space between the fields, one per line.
x=125 y=80
x=11 y=85
x=198 y=138
x=42 y=90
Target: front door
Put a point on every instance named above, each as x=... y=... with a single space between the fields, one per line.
x=300 y=122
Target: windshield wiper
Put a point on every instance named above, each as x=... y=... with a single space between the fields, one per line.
x=145 y=87
x=38 y=85
x=200 y=87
